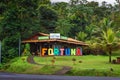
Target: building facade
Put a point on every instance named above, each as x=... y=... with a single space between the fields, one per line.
x=54 y=44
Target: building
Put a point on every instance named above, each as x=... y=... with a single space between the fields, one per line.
x=54 y=44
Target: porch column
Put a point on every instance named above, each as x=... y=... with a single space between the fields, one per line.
x=40 y=49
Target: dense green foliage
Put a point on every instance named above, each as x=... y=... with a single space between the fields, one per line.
x=79 y=19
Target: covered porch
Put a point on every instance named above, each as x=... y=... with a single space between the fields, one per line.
x=41 y=41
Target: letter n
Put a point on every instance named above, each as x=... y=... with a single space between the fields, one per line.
x=73 y=51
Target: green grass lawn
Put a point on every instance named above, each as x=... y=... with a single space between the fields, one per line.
x=19 y=66
x=90 y=66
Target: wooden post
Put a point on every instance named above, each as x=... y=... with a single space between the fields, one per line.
x=40 y=50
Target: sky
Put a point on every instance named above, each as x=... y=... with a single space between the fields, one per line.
x=108 y=1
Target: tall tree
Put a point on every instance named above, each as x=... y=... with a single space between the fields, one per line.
x=61 y=8
x=48 y=18
x=63 y=27
x=106 y=24
x=118 y=1
x=46 y=2
x=109 y=37
x=18 y=20
x=75 y=2
x=80 y=16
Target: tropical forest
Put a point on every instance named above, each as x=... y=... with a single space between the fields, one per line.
x=96 y=24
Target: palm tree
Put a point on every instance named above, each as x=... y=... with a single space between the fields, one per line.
x=81 y=36
x=108 y=34
x=109 y=38
x=106 y=24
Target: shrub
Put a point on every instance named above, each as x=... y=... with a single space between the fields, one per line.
x=80 y=61
x=74 y=60
x=26 y=51
x=1 y=66
x=54 y=57
x=23 y=59
x=53 y=61
x=6 y=66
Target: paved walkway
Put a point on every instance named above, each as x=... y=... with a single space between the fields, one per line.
x=30 y=59
x=64 y=70
x=13 y=76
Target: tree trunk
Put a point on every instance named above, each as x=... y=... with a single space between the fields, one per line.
x=110 y=52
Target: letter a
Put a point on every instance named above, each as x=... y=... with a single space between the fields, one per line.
x=79 y=52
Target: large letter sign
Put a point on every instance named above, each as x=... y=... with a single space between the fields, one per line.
x=62 y=51
x=78 y=52
x=44 y=51
x=73 y=51
x=50 y=51
x=56 y=51
x=67 y=51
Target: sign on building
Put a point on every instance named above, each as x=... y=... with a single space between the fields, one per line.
x=54 y=35
x=43 y=37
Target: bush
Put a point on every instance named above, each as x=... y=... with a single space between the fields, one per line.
x=26 y=51
x=74 y=60
x=53 y=62
x=9 y=48
x=6 y=66
x=95 y=50
x=1 y=66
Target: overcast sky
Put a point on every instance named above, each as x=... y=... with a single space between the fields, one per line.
x=108 y=1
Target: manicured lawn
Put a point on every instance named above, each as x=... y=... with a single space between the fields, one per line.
x=90 y=66
x=84 y=65
x=19 y=66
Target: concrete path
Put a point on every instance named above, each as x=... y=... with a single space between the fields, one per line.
x=30 y=59
x=13 y=76
x=64 y=69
